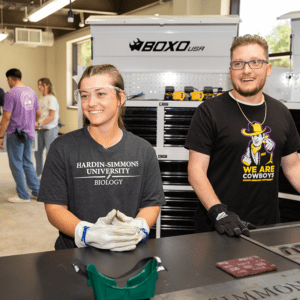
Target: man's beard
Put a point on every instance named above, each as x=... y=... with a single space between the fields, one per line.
x=248 y=93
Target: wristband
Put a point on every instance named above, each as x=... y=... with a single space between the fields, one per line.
x=1 y=137
x=85 y=228
x=147 y=235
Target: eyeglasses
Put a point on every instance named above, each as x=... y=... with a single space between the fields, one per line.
x=253 y=64
x=100 y=93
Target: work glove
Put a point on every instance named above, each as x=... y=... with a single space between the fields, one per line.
x=122 y=220
x=104 y=235
x=227 y=221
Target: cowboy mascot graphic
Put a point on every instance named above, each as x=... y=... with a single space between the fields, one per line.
x=260 y=148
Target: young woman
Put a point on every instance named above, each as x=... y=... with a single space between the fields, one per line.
x=47 y=124
x=101 y=185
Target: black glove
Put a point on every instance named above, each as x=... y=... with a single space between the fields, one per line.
x=227 y=221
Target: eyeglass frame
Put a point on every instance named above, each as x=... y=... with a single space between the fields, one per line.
x=95 y=87
x=248 y=63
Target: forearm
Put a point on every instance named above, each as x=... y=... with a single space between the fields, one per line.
x=204 y=190
x=46 y=121
x=49 y=119
x=150 y=214
x=197 y=172
x=61 y=218
x=4 y=125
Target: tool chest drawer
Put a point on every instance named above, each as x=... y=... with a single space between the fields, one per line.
x=177 y=216
x=176 y=125
x=174 y=172
x=142 y=121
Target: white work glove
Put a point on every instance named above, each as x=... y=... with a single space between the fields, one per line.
x=122 y=220
x=104 y=235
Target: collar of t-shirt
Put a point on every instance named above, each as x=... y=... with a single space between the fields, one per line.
x=250 y=104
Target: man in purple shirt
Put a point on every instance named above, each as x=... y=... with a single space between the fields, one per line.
x=20 y=111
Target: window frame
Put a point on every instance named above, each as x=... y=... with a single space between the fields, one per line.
x=71 y=64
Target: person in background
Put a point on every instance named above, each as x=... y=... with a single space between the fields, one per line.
x=237 y=142
x=20 y=111
x=101 y=185
x=47 y=124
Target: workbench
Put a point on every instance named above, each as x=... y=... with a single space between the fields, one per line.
x=190 y=260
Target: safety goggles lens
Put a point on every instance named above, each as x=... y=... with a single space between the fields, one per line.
x=100 y=93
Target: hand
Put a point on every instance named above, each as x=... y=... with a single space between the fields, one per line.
x=122 y=220
x=247 y=158
x=104 y=235
x=229 y=222
x=269 y=144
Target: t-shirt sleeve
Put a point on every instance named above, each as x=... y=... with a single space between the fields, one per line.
x=8 y=102
x=293 y=140
x=52 y=103
x=153 y=194
x=54 y=187
x=200 y=136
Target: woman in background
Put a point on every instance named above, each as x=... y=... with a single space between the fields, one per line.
x=47 y=124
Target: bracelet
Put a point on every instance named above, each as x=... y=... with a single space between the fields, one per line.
x=39 y=124
x=1 y=137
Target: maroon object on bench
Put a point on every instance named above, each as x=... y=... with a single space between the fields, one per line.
x=246 y=266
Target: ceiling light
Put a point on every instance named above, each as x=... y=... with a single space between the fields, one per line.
x=25 y=19
x=47 y=9
x=3 y=35
x=81 y=24
x=70 y=16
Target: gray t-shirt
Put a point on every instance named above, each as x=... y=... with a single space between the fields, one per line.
x=92 y=181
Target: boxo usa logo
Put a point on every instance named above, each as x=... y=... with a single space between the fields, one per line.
x=163 y=46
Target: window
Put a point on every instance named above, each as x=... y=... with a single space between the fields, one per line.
x=260 y=17
x=79 y=57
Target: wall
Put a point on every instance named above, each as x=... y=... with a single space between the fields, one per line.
x=57 y=69
x=30 y=61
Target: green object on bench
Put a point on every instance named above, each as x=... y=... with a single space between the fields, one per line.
x=140 y=286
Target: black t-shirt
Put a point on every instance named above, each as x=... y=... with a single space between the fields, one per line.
x=92 y=181
x=242 y=171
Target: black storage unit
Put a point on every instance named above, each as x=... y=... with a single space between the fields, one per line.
x=177 y=216
x=176 y=125
x=142 y=121
x=174 y=172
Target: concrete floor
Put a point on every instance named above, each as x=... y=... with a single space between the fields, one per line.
x=24 y=227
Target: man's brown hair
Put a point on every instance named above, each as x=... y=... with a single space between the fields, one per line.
x=117 y=81
x=249 y=39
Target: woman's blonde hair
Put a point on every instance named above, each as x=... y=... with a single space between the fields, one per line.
x=117 y=82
